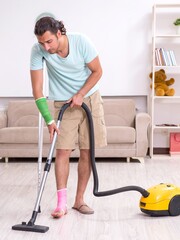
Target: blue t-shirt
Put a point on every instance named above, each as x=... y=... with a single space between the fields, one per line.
x=66 y=75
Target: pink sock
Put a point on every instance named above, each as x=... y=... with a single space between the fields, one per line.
x=61 y=200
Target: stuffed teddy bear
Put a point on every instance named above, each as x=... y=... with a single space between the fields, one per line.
x=161 y=84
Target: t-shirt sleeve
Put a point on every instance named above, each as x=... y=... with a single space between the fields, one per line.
x=88 y=49
x=36 y=59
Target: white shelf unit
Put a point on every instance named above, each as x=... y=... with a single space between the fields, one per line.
x=164 y=35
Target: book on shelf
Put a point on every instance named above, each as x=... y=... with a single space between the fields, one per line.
x=157 y=57
x=169 y=58
x=173 y=59
x=165 y=57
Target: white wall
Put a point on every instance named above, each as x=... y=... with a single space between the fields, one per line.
x=121 y=35
x=120 y=30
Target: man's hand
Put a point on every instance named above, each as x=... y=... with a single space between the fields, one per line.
x=76 y=100
x=53 y=128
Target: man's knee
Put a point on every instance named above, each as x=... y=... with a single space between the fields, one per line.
x=63 y=153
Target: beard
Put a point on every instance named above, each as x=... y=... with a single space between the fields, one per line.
x=52 y=51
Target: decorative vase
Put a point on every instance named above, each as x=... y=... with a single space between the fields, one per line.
x=178 y=30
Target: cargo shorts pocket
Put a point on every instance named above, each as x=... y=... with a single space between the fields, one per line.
x=97 y=110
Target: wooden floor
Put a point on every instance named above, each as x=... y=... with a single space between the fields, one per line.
x=117 y=217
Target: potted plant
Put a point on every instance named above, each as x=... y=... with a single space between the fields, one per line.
x=177 y=24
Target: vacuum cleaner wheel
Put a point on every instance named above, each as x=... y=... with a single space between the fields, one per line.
x=174 y=206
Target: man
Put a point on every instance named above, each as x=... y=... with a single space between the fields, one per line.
x=74 y=70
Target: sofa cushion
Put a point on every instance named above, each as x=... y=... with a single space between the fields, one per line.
x=30 y=135
x=3 y=119
x=22 y=135
x=24 y=113
x=121 y=134
x=119 y=112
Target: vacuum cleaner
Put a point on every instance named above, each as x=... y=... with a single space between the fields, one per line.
x=160 y=200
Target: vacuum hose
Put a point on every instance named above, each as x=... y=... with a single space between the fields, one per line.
x=93 y=164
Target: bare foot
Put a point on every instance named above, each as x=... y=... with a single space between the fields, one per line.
x=58 y=213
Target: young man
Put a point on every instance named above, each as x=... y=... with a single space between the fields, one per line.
x=74 y=70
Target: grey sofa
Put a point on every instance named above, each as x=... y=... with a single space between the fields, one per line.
x=127 y=131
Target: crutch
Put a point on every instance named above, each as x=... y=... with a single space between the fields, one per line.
x=40 y=149
x=40 y=134
x=30 y=226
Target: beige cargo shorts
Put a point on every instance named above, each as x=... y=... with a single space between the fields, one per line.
x=74 y=128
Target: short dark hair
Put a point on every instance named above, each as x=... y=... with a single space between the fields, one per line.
x=48 y=24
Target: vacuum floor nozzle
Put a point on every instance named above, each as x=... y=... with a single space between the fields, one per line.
x=30 y=228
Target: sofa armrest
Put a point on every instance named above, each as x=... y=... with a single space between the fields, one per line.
x=3 y=119
x=142 y=122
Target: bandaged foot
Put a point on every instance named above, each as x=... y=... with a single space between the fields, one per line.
x=61 y=208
